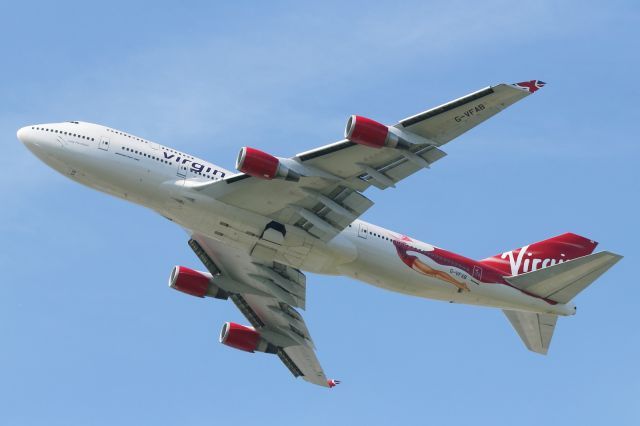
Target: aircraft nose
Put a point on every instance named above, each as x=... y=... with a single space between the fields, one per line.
x=24 y=135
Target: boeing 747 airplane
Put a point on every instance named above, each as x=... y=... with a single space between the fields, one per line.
x=256 y=231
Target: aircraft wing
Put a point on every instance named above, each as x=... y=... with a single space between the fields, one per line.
x=329 y=194
x=266 y=294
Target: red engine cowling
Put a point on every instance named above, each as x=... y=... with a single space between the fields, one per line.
x=261 y=165
x=244 y=338
x=194 y=283
x=257 y=163
x=365 y=131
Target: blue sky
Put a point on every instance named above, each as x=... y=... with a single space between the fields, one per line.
x=91 y=335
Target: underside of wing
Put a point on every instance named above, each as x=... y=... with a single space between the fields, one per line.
x=319 y=206
x=267 y=294
x=448 y=121
x=321 y=191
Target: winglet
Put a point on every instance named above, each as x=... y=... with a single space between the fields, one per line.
x=530 y=86
x=333 y=383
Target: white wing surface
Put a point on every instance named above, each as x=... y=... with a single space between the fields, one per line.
x=266 y=294
x=329 y=194
x=320 y=193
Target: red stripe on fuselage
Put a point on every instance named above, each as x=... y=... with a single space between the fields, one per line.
x=442 y=257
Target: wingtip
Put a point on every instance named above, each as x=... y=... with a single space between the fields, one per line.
x=530 y=86
x=333 y=383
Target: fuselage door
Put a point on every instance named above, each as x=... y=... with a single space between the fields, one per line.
x=104 y=144
x=477 y=273
x=362 y=230
x=182 y=170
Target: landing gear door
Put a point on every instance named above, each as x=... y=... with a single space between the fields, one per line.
x=362 y=230
x=104 y=144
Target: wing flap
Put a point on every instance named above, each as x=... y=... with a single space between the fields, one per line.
x=348 y=168
x=351 y=161
x=403 y=168
x=277 y=321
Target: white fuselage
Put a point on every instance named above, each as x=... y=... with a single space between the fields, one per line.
x=162 y=179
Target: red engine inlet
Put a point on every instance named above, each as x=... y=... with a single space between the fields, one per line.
x=244 y=338
x=366 y=131
x=239 y=337
x=194 y=283
x=262 y=165
x=257 y=163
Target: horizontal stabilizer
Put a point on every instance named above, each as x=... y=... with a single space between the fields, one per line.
x=539 y=255
x=563 y=281
x=535 y=330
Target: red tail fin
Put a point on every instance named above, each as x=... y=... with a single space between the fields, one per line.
x=542 y=254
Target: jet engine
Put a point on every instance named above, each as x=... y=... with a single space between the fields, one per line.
x=365 y=131
x=244 y=338
x=261 y=165
x=195 y=283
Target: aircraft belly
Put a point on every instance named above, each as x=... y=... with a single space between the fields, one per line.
x=378 y=264
x=239 y=229
x=382 y=268
x=396 y=276
x=370 y=260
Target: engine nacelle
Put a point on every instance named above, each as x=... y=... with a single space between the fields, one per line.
x=195 y=283
x=365 y=131
x=245 y=338
x=261 y=165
